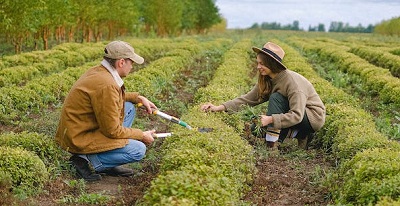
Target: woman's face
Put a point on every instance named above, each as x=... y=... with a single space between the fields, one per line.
x=263 y=69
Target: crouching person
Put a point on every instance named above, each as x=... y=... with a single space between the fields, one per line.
x=294 y=107
x=97 y=115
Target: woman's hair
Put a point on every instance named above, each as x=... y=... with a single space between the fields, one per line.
x=264 y=81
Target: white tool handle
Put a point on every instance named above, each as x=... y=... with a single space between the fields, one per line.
x=160 y=135
x=163 y=115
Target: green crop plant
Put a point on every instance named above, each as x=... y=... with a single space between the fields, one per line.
x=369 y=175
x=43 y=146
x=27 y=171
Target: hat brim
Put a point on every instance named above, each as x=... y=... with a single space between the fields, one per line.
x=258 y=50
x=136 y=58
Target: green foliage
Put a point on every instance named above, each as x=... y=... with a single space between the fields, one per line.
x=371 y=174
x=379 y=58
x=18 y=102
x=26 y=169
x=390 y=27
x=387 y=201
x=350 y=130
x=374 y=78
x=195 y=185
x=368 y=169
x=42 y=145
x=211 y=168
x=88 y=20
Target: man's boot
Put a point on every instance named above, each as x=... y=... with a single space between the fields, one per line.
x=83 y=169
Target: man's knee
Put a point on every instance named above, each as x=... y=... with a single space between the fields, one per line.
x=136 y=150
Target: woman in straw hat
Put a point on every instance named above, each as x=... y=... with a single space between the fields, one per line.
x=294 y=107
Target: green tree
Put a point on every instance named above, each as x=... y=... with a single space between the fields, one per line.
x=165 y=16
x=20 y=19
x=207 y=14
x=389 y=27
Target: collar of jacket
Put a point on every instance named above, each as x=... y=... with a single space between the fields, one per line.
x=279 y=76
x=113 y=72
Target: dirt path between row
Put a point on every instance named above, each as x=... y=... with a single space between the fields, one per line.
x=291 y=176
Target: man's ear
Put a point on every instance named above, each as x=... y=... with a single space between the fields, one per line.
x=120 y=62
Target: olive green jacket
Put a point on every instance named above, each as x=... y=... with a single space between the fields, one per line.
x=92 y=115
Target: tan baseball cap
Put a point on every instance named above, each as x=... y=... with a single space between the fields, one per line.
x=122 y=50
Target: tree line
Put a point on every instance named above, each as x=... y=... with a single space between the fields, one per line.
x=334 y=27
x=35 y=22
x=389 y=27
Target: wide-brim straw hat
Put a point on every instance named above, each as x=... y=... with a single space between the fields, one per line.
x=274 y=51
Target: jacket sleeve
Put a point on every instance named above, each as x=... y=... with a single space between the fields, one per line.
x=108 y=108
x=297 y=105
x=132 y=97
x=251 y=99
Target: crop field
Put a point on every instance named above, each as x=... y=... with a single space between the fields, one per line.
x=353 y=160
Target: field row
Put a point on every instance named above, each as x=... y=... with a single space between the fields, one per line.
x=213 y=168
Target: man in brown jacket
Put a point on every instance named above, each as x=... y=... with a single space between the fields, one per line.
x=97 y=115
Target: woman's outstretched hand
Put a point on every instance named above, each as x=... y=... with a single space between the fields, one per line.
x=209 y=107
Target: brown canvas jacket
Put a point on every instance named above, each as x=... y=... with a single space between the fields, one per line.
x=92 y=115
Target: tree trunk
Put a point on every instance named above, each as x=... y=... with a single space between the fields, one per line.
x=45 y=37
x=70 y=34
x=17 y=42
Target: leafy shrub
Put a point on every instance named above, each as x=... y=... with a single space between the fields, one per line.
x=26 y=169
x=195 y=185
x=371 y=174
x=387 y=201
x=42 y=145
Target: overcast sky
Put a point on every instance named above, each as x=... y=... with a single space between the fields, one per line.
x=244 y=13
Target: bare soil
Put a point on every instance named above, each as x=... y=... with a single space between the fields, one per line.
x=290 y=176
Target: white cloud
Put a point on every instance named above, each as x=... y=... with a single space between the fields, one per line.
x=244 y=13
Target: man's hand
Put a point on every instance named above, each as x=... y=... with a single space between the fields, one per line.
x=148 y=137
x=148 y=104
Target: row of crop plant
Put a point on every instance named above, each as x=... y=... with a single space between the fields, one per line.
x=377 y=79
x=379 y=58
x=378 y=53
x=210 y=168
x=386 y=113
x=27 y=162
x=23 y=67
x=17 y=102
x=28 y=159
x=152 y=80
x=20 y=68
x=368 y=163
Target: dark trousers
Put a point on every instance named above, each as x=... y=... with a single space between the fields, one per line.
x=278 y=104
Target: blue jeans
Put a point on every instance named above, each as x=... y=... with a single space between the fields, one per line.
x=132 y=152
